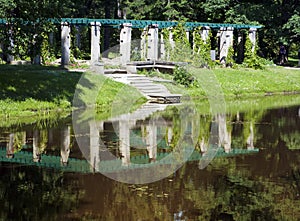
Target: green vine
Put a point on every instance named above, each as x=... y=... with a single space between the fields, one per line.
x=251 y=59
x=47 y=53
x=201 y=49
x=230 y=57
x=182 y=50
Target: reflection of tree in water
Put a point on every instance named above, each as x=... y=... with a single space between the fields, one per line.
x=30 y=193
x=224 y=191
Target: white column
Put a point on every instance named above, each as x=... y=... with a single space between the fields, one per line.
x=94 y=146
x=205 y=33
x=187 y=33
x=171 y=39
x=11 y=45
x=226 y=40
x=37 y=59
x=299 y=58
x=240 y=46
x=65 y=43
x=51 y=38
x=95 y=42
x=65 y=137
x=152 y=54
x=144 y=44
x=78 y=36
x=162 y=47
x=252 y=37
x=125 y=43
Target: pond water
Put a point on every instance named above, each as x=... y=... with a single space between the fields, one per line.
x=157 y=163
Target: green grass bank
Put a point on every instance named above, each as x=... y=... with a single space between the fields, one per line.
x=242 y=82
x=29 y=91
x=39 y=91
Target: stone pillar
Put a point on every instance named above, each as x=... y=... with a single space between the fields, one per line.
x=65 y=140
x=35 y=146
x=240 y=46
x=65 y=43
x=10 y=58
x=94 y=146
x=51 y=38
x=37 y=57
x=144 y=44
x=171 y=39
x=162 y=47
x=205 y=33
x=95 y=42
x=226 y=40
x=171 y=44
x=78 y=36
x=252 y=37
x=299 y=58
x=187 y=33
x=124 y=142
x=152 y=54
x=125 y=43
x=10 y=147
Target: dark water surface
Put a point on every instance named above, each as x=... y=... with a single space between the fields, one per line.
x=253 y=174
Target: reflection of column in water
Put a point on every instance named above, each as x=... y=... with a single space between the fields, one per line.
x=10 y=147
x=94 y=146
x=50 y=137
x=224 y=136
x=65 y=140
x=144 y=133
x=203 y=146
x=124 y=142
x=152 y=141
x=170 y=135
x=250 y=139
x=35 y=146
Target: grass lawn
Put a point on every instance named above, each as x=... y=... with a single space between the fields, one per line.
x=242 y=82
x=28 y=91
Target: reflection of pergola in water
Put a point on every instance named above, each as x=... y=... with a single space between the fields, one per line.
x=152 y=46
x=135 y=130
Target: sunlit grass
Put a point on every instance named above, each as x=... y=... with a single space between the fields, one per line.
x=242 y=82
x=37 y=91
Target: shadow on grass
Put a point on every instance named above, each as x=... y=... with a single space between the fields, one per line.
x=43 y=83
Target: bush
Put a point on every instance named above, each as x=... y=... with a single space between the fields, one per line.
x=251 y=59
x=182 y=76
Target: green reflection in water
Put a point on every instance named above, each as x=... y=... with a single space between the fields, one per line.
x=265 y=186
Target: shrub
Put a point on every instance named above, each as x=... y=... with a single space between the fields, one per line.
x=182 y=76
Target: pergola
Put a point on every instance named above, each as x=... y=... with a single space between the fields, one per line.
x=154 y=48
